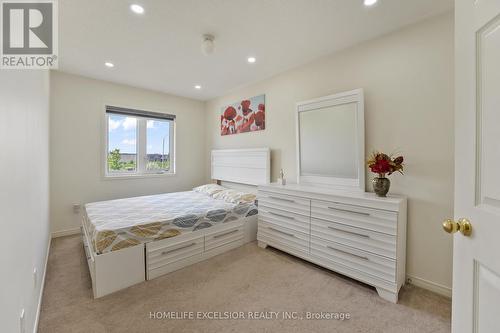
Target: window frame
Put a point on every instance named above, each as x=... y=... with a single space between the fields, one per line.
x=143 y=133
x=141 y=147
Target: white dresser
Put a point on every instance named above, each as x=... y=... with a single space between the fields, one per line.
x=353 y=233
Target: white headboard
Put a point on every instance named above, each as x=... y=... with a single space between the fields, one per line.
x=244 y=166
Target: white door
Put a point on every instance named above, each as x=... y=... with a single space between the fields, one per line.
x=476 y=259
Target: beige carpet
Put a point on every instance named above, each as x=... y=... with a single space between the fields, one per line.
x=245 y=279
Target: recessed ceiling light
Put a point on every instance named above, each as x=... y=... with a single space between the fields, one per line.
x=370 y=2
x=251 y=60
x=197 y=87
x=137 y=9
x=109 y=64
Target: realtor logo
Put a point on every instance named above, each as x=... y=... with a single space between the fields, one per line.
x=29 y=39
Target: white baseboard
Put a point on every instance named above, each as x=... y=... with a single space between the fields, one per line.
x=42 y=287
x=429 y=285
x=67 y=232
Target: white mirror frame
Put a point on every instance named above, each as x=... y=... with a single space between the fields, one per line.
x=354 y=96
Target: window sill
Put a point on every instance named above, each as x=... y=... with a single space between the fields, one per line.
x=138 y=176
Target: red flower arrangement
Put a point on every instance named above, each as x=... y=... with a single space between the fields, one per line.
x=384 y=164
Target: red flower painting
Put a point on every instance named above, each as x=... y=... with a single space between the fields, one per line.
x=249 y=115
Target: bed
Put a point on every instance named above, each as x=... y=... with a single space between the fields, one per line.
x=130 y=240
x=117 y=224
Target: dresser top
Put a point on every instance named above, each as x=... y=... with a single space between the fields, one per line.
x=320 y=192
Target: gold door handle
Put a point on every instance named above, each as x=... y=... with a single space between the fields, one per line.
x=463 y=225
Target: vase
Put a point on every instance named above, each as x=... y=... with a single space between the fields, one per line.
x=381 y=186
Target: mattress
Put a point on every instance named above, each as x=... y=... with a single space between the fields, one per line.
x=118 y=224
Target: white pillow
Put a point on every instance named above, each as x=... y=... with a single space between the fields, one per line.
x=209 y=189
x=233 y=196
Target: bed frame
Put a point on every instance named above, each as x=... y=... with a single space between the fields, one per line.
x=113 y=271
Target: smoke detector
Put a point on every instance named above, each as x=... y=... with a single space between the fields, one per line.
x=207 y=45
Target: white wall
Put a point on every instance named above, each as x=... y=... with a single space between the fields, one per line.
x=76 y=139
x=408 y=82
x=24 y=193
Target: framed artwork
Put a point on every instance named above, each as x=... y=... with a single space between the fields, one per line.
x=248 y=115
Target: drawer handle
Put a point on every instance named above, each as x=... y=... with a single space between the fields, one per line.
x=276 y=198
x=177 y=249
x=348 y=253
x=282 y=232
x=284 y=216
x=349 y=232
x=86 y=250
x=349 y=211
x=225 y=234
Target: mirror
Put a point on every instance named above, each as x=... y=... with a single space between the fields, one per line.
x=330 y=141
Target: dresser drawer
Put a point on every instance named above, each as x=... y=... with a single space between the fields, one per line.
x=365 y=262
x=271 y=233
x=370 y=241
x=361 y=217
x=284 y=202
x=224 y=237
x=164 y=255
x=285 y=219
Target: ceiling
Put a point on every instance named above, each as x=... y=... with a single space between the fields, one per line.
x=160 y=49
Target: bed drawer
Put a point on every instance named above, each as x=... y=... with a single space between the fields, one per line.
x=362 y=261
x=361 y=217
x=223 y=237
x=271 y=233
x=90 y=259
x=370 y=241
x=284 y=202
x=88 y=252
x=160 y=256
x=285 y=219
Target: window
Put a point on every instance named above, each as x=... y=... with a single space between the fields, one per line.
x=138 y=142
